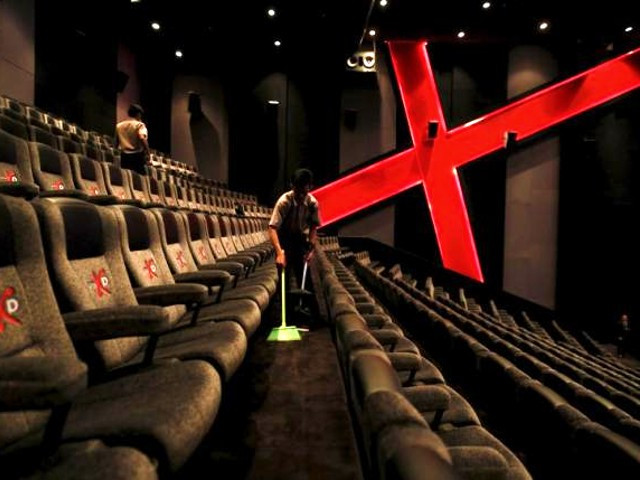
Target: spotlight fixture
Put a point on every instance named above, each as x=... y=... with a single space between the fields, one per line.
x=362 y=61
x=273 y=102
x=372 y=32
x=486 y=5
x=277 y=43
x=629 y=29
x=179 y=53
x=384 y=3
x=155 y=26
x=543 y=26
x=352 y=61
x=271 y=12
x=461 y=34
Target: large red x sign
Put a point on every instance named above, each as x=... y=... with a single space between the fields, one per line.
x=433 y=161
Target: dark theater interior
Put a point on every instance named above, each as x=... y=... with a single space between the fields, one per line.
x=342 y=240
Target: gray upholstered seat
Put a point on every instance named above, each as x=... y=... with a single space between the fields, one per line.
x=41 y=371
x=147 y=266
x=87 y=263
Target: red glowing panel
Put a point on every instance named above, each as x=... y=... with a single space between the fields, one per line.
x=435 y=155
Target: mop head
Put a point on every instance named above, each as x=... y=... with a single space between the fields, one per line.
x=284 y=334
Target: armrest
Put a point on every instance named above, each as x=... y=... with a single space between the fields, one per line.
x=428 y=397
x=29 y=383
x=67 y=192
x=19 y=189
x=103 y=199
x=172 y=294
x=386 y=337
x=106 y=323
x=234 y=268
x=247 y=261
x=210 y=278
x=403 y=362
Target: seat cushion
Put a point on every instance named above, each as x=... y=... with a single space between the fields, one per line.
x=164 y=411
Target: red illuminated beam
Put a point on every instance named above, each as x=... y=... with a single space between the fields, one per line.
x=433 y=160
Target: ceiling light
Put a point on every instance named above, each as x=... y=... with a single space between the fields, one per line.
x=135 y=1
x=277 y=43
x=179 y=53
x=273 y=102
x=461 y=34
x=155 y=26
x=629 y=29
x=372 y=33
x=543 y=26
x=486 y=5
x=271 y=12
x=352 y=61
x=384 y=3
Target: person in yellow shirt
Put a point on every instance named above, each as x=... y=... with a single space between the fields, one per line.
x=132 y=138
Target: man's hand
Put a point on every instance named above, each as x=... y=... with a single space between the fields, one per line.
x=281 y=259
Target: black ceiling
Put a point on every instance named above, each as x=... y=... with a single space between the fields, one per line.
x=240 y=32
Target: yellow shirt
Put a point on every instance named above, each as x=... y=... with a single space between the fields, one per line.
x=130 y=134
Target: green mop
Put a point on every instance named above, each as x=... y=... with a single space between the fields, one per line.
x=284 y=333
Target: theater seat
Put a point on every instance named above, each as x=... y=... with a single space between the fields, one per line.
x=164 y=411
x=148 y=267
x=84 y=246
x=52 y=172
x=16 y=176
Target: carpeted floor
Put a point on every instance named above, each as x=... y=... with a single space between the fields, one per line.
x=284 y=415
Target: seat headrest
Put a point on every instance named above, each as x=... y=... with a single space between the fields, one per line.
x=137 y=228
x=7 y=256
x=83 y=229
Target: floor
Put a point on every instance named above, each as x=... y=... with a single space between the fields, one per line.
x=284 y=415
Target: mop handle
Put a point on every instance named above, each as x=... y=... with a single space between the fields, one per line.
x=304 y=274
x=284 y=309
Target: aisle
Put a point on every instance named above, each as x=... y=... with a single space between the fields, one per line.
x=284 y=416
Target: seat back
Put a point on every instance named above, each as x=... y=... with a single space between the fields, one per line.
x=14 y=127
x=88 y=175
x=30 y=322
x=198 y=239
x=83 y=246
x=142 y=250
x=51 y=168
x=116 y=182
x=138 y=187
x=15 y=161
x=173 y=237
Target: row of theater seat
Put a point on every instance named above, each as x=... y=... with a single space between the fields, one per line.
x=32 y=168
x=159 y=321
x=605 y=391
x=31 y=124
x=410 y=423
x=545 y=390
x=119 y=325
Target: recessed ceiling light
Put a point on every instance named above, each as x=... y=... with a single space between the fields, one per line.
x=372 y=33
x=135 y=1
x=461 y=34
x=277 y=43
x=486 y=5
x=155 y=26
x=271 y=12
x=384 y=3
x=629 y=29
x=273 y=102
x=543 y=26
x=179 y=53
